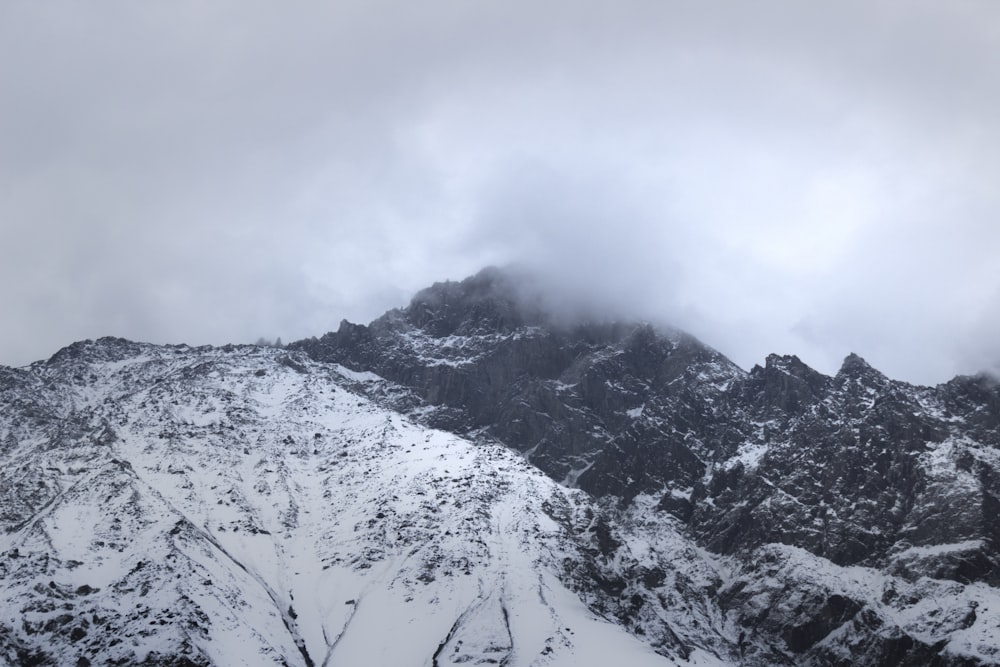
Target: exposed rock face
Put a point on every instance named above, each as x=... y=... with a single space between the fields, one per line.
x=618 y=409
x=199 y=506
x=856 y=468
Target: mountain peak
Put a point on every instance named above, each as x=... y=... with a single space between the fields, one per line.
x=145 y=488
x=491 y=282
x=494 y=300
x=855 y=366
x=854 y=360
x=103 y=349
x=785 y=362
x=787 y=383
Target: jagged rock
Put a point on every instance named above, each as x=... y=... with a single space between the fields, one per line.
x=161 y=501
x=855 y=468
x=594 y=403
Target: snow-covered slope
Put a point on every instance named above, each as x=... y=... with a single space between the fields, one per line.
x=844 y=616
x=402 y=494
x=240 y=506
x=855 y=469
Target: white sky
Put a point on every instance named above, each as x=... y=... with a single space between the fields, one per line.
x=775 y=176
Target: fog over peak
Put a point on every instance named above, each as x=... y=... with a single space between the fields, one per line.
x=775 y=177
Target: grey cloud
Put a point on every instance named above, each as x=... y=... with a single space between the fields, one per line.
x=774 y=176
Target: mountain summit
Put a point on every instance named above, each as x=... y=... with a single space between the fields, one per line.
x=490 y=477
x=482 y=357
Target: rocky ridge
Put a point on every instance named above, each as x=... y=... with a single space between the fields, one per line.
x=855 y=469
x=241 y=505
x=252 y=505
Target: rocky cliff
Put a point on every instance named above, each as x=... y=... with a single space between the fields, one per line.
x=486 y=477
x=853 y=470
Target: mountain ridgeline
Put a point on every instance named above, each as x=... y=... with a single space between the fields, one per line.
x=488 y=476
x=851 y=467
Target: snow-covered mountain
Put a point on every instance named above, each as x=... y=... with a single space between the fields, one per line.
x=475 y=480
x=176 y=505
x=780 y=467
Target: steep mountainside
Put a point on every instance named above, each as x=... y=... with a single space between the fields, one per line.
x=242 y=506
x=855 y=469
x=483 y=478
x=617 y=409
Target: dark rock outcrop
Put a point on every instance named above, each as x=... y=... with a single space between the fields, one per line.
x=779 y=516
x=855 y=468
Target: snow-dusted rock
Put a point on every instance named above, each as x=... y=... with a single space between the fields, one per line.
x=241 y=506
x=474 y=480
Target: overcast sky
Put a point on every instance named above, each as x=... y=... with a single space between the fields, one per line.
x=773 y=176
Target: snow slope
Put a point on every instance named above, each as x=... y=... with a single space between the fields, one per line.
x=240 y=506
x=255 y=506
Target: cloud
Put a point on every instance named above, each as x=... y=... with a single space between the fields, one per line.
x=775 y=176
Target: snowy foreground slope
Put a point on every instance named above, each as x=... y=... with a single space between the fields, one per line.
x=240 y=506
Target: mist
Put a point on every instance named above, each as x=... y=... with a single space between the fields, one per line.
x=775 y=177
